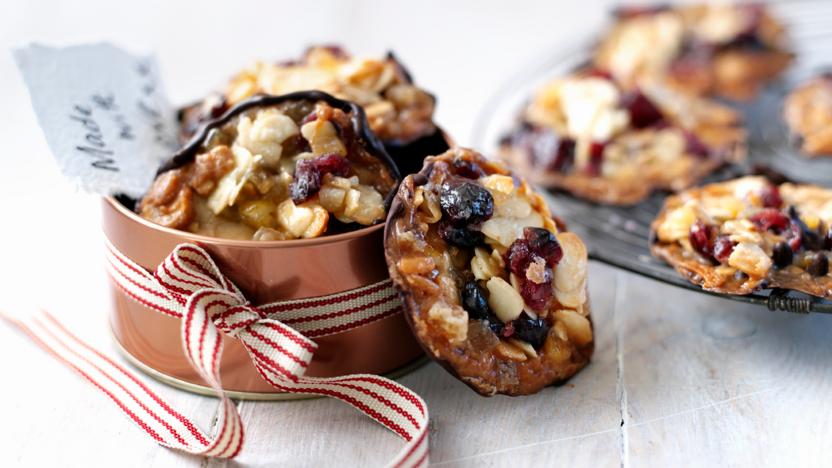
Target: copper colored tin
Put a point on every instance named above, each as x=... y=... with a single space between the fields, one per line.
x=265 y=271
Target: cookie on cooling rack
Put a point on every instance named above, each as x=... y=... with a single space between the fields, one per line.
x=590 y=136
x=747 y=234
x=493 y=286
x=808 y=114
x=724 y=49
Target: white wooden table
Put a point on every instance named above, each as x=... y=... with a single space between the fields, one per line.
x=678 y=378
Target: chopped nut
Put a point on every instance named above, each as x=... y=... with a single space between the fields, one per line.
x=265 y=134
x=209 y=167
x=453 y=320
x=678 y=223
x=229 y=186
x=169 y=202
x=258 y=213
x=536 y=272
x=416 y=265
x=363 y=205
x=751 y=259
x=323 y=138
x=305 y=220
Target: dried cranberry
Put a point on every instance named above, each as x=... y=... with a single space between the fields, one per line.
x=643 y=113
x=466 y=203
x=536 y=295
x=544 y=244
x=308 y=174
x=475 y=302
x=599 y=73
x=218 y=106
x=596 y=158
x=508 y=330
x=782 y=255
x=532 y=331
x=723 y=247
x=770 y=219
x=695 y=146
x=518 y=257
x=809 y=239
x=460 y=236
x=632 y=11
x=819 y=265
x=537 y=244
x=770 y=195
x=565 y=157
x=467 y=169
x=310 y=117
x=700 y=239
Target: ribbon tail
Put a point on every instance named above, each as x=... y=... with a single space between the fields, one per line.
x=394 y=406
x=146 y=409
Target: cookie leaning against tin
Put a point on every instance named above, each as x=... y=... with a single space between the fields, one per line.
x=747 y=234
x=493 y=286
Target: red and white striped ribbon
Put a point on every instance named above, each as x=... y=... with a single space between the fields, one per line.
x=188 y=285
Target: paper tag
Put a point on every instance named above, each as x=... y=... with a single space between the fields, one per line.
x=103 y=112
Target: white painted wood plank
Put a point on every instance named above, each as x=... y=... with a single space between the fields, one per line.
x=715 y=382
x=578 y=422
x=51 y=416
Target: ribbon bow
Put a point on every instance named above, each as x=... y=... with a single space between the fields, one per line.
x=189 y=285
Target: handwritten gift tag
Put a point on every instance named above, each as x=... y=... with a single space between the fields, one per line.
x=103 y=112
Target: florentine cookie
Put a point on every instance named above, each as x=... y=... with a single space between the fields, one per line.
x=588 y=135
x=399 y=112
x=808 y=113
x=747 y=234
x=724 y=49
x=493 y=286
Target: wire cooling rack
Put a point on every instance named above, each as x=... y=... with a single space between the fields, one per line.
x=619 y=235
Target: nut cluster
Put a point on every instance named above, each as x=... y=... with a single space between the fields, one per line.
x=749 y=233
x=274 y=173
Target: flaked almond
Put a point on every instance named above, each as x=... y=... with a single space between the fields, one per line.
x=527 y=348
x=577 y=326
x=556 y=348
x=504 y=300
x=484 y=266
x=507 y=350
x=570 y=273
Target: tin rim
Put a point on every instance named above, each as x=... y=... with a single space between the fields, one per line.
x=250 y=244
x=240 y=395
